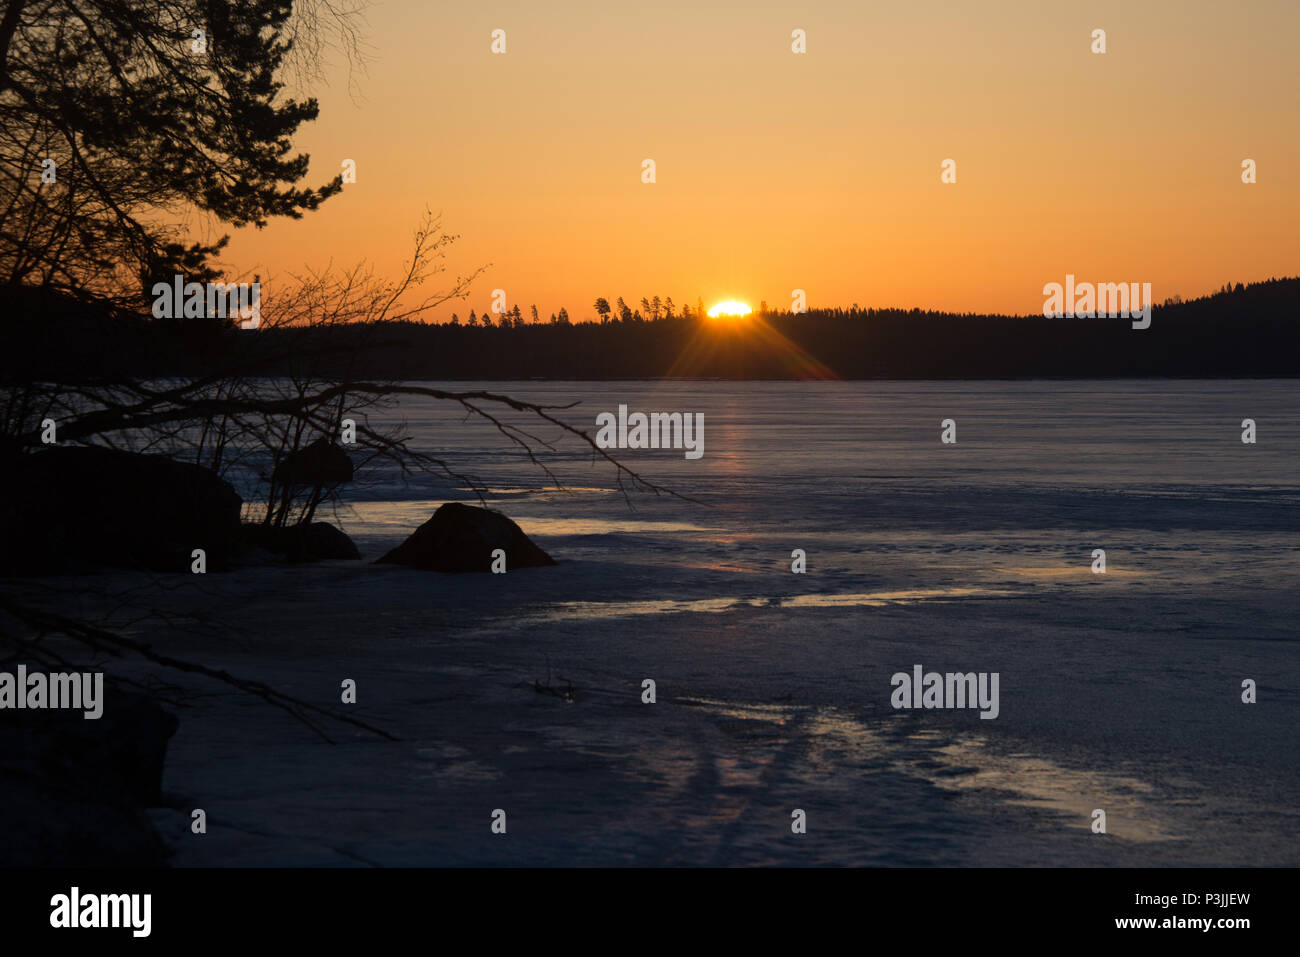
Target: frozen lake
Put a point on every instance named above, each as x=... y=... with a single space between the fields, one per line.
x=1118 y=691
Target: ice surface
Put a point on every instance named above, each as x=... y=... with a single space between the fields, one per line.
x=1118 y=691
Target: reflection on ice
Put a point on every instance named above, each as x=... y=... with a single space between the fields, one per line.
x=1037 y=782
x=833 y=738
x=667 y=606
x=881 y=598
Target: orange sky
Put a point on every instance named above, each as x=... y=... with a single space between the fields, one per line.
x=819 y=171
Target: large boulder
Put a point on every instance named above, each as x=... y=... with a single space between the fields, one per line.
x=461 y=538
x=322 y=463
x=319 y=541
x=80 y=787
x=75 y=508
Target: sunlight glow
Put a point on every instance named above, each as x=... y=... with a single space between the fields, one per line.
x=729 y=308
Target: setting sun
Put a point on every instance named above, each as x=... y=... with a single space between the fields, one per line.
x=729 y=308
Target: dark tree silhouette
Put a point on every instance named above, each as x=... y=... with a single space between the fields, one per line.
x=117 y=119
x=115 y=114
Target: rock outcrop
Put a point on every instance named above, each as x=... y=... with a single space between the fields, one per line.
x=319 y=541
x=75 y=791
x=77 y=508
x=322 y=463
x=461 y=538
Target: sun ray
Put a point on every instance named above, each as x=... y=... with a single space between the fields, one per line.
x=753 y=342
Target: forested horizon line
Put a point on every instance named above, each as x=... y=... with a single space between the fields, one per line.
x=1241 y=330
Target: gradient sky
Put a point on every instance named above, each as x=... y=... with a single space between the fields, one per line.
x=816 y=171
